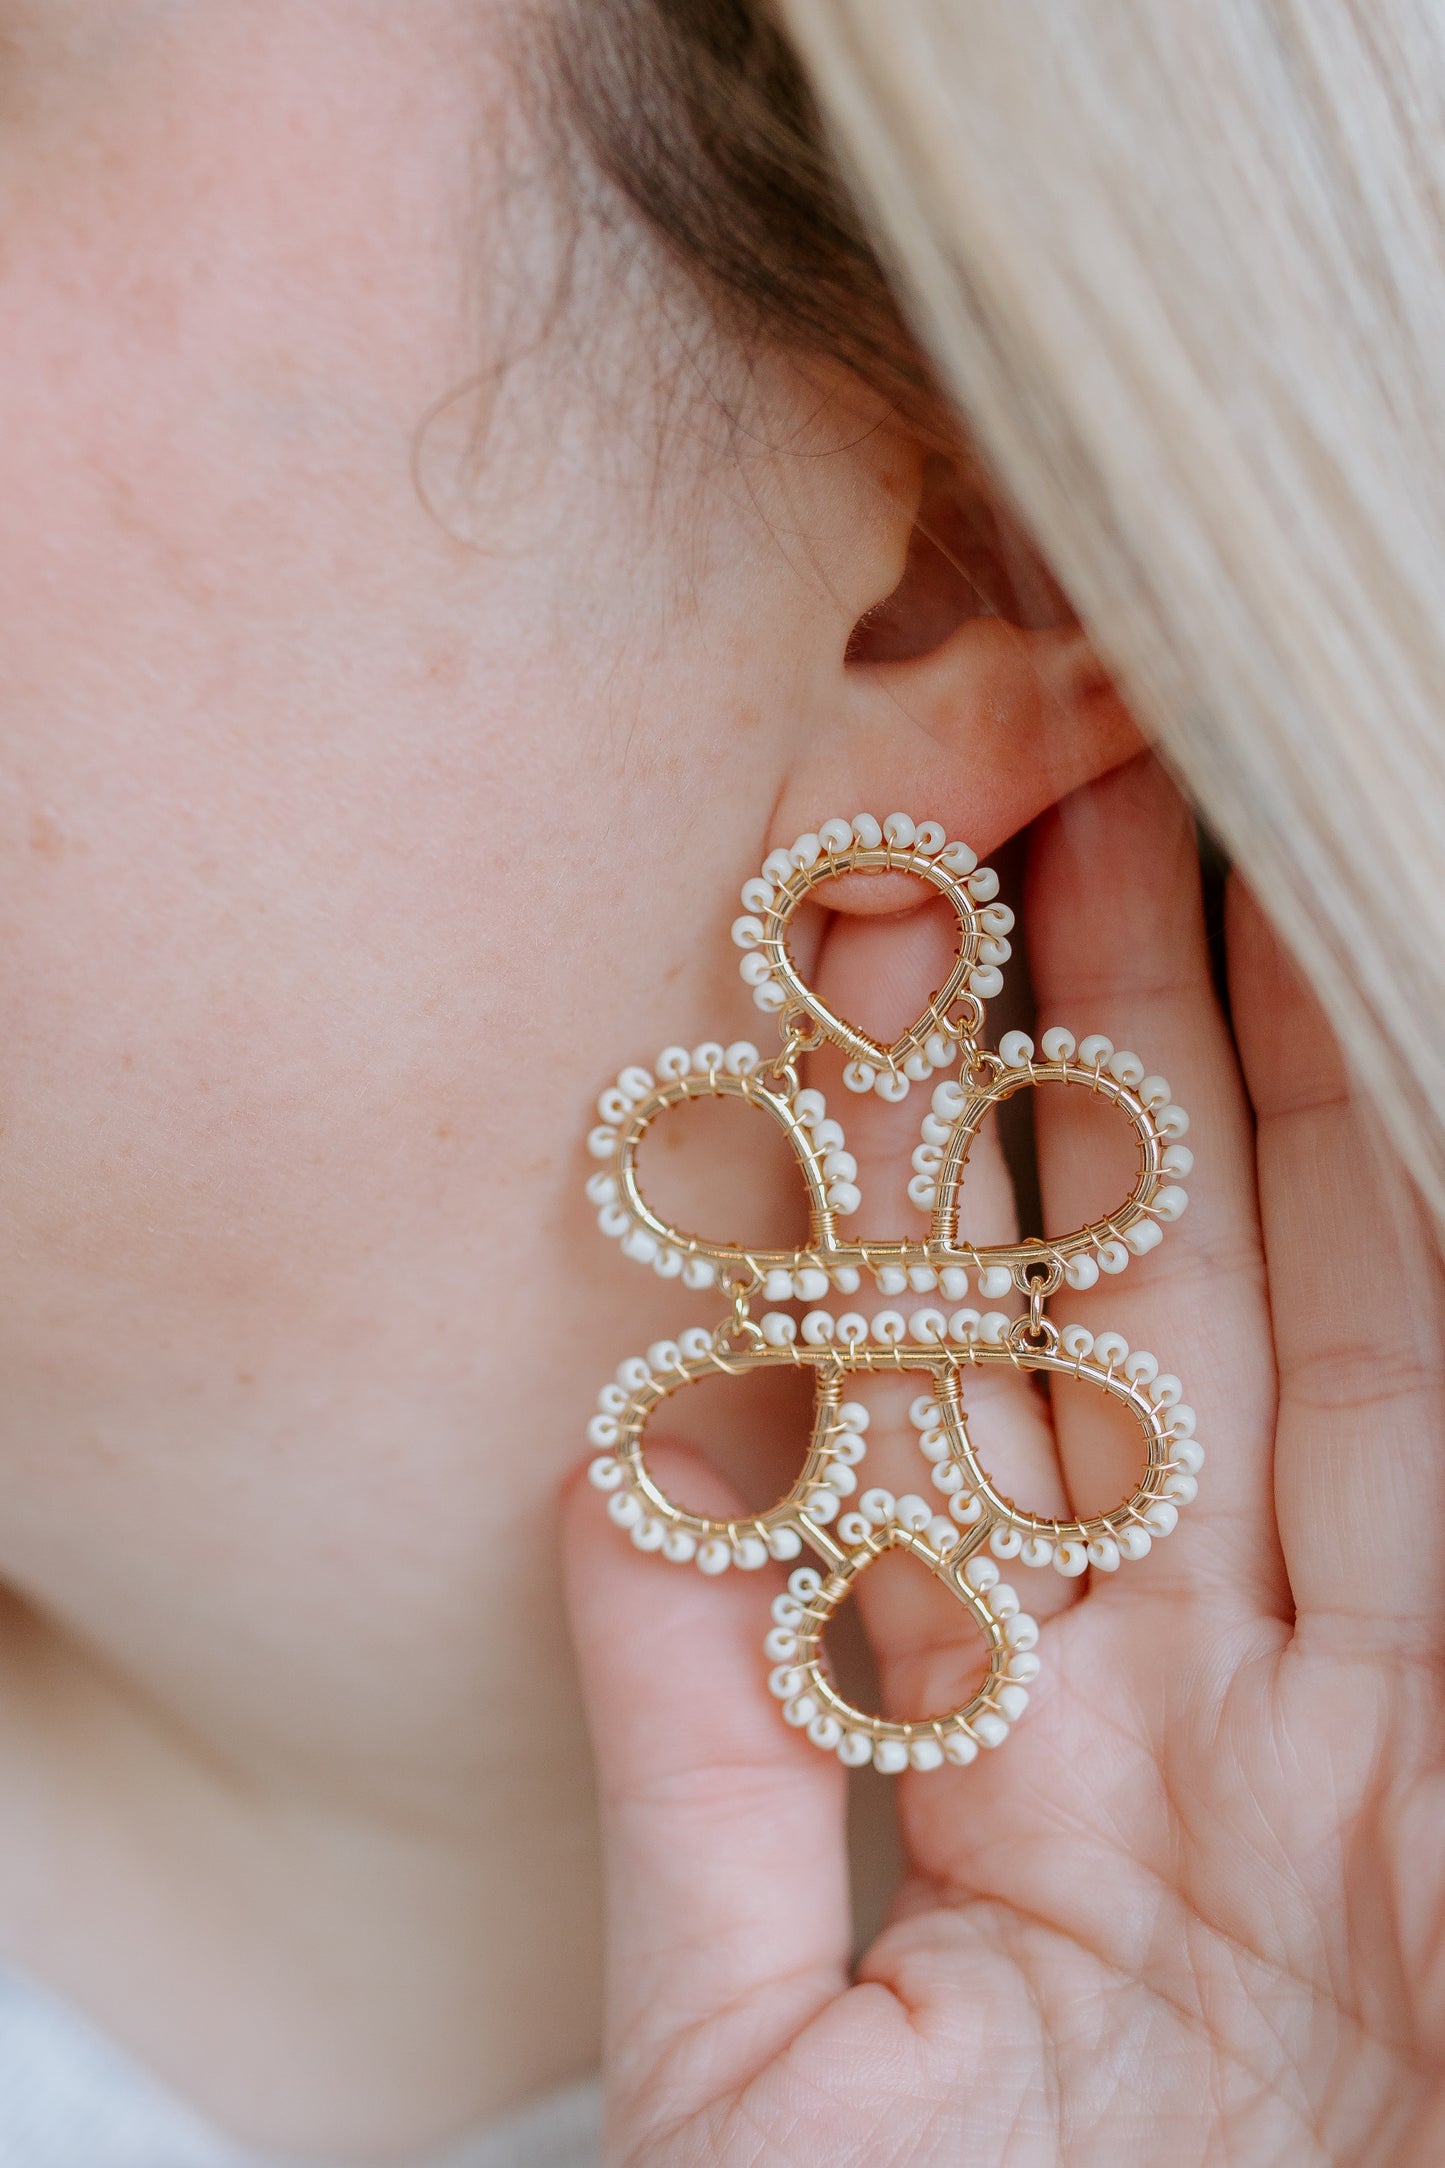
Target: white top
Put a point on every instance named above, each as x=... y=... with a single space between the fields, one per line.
x=69 y=2099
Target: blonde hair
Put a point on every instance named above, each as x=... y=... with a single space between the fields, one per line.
x=1182 y=267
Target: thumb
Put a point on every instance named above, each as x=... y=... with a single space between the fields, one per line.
x=722 y=1829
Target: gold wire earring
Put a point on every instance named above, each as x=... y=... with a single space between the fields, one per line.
x=975 y=1525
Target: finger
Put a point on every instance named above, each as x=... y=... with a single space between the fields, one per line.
x=722 y=1829
x=1118 y=947
x=1355 y=1290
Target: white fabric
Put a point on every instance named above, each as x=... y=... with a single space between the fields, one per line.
x=70 y=2099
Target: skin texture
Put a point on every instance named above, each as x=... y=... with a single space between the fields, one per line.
x=1191 y=1911
x=406 y=650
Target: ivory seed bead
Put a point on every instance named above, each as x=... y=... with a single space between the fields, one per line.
x=852 y=1328
x=981 y=1573
x=707 y=1058
x=989 y=1729
x=741 y=1058
x=928 y=1327
x=934 y=1131
x=1095 y=1050
x=1013 y=1699
x=1178 y=1159
x=953 y=1282
x=891 y=1280
x=810 y=1284
x=1076 y=1341
x=614 y=1105
x=941 y=1533
x=949 y=1101
x=996 y=919
x=757 y=895
x=648 y=1534
x=994 y=1282
x=958 y=858
x=840 y=1477
x=788 y=1609
x=827 y=1135
x=877 y=1507
x=986 y=982
x=1037 y=1551
x=1143 y=1236
x=889 y=1327
x=1141 y=1368
x=1166 y=1390
x=1182 y=1420
x=699 y=1272
x=1016 y=1049
x=1003 y=1601
x=601 y=1187
x=1155 y=1092
x=1173 y=1122
x=854 y=1415
x=890 y=1756
x=914 y=1512
x=853 y=1529
x=1081 y=1271
x=847 y=1446
x=667 y=1264
x=961 y=1748
x=940 y=1049
x=642 y=1245
x=825 y=1731
x=624 y=1508
x=933 y=1444
x=636 y=1083
x=1125 y=1068
x=1021 y=1631
x=1170 y=1203
x=810 y=1107
x=1104 y=1553
x=1188 y=1456
x=823 y=1503
x=964 y=1508
x=1058 y=1044
x=1005 y=1543
x=993 y=1328
x=1023 y=1667
x=835 y=835
x=929 y=838
x=778 y=866
x=1182 y=1488
x=801 y=1712
x=673 y=1064
x=1113 y=1256
x=1070 y=1559
x=892 y=1085
x=750 y=1552
x=604 y=1473
x=747 y=931
x=601 y=1141
x=779 y=1330
x=602 y=1430
x=664 y=1355
x=1112 y=1350
x=713 y=1556
x=860 y=1076
x=847 y=1278
x=963 y=1327
x=991 y=951
x=854 y=1749
x=844 y=1198
x=925 y=1754
x=918 y=1068
x=783 y=1542
x=634 y=1373
x=1134 y=1542
x=818 y=1328
x=867 y=831
x=982 y=885
x=900 y=831
x=1162 y=1517
x=680 y=1545
x=947 y=1476
x=614 y=1220
x=807 y=850
x=768 y=996
x=923 y=1413
x=840 y=1166
x=613 y=1399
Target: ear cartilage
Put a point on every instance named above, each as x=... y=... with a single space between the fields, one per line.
x=959 y=1525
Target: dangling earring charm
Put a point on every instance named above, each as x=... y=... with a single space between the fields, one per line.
x=970 y=1526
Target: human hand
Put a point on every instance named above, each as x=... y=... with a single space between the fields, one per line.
x=1192 y=1911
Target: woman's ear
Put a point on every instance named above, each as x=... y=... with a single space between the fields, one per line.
x=968 y=693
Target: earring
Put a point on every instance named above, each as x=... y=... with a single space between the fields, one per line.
x=973 y=1526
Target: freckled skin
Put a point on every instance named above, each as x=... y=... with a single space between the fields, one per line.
x=344 y=855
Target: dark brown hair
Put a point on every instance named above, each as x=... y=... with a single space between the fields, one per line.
x=698 y=113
